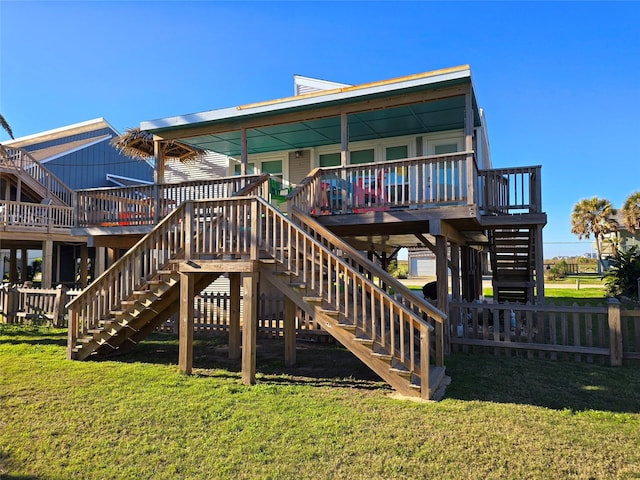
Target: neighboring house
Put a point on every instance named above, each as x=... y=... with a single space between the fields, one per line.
x=39 y=177
x=81 y=156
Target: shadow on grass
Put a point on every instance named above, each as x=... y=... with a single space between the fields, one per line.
x=7 y=475
x=552 y=384
x=317 y=364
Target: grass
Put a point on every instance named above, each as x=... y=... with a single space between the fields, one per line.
x=136 y=416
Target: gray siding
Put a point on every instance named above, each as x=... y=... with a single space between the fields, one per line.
x=214 y=165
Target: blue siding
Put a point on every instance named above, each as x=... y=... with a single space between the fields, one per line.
x=88 y=167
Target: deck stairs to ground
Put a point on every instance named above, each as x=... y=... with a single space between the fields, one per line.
x=393 y=331
x=513 y=263
x=16 y=164
x=138 y=292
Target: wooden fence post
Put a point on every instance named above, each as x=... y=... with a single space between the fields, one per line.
x=58 y=306
x=73 y=332
x=424 y=362
x=615 y=332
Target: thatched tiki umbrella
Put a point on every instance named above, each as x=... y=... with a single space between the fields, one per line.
x=140 y=144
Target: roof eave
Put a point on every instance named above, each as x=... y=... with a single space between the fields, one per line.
x=310 y=100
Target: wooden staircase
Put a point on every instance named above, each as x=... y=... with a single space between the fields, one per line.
x=16 y=164
x=513 y=263
x=393 y=331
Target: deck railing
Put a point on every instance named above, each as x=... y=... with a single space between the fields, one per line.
x=23 y=216
x=510 y=190
x=386 y=282
x=19 y=159
x=430 y=181
x=147 y=204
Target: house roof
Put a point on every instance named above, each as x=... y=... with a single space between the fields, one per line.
x=44 y=155
x=61 y=132
x=425 y=102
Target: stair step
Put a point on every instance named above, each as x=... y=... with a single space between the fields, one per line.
x=385 y=357
x=331 y=313
x=349 y=327
x=312 y=299
x=368 y=342
x=401 y=372
x=93 y=331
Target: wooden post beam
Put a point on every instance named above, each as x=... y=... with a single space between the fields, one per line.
x=185 y=343
x=249 y=327
x=442 y=275
x=234 y=316
x=47 y=263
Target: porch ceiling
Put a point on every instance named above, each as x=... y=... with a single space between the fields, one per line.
x=433 y=116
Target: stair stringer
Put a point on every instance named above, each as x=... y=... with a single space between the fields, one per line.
x=403 y=381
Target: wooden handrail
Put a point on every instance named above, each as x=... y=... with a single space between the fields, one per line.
x=390 y=284
x=146 y=204
x=15 y=157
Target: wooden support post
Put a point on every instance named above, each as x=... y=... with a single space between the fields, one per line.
x=158 y=172
x=100 y=266
x=185 y=345
x=443 y=285
x=13 y=265
x=289 y=332
x=249 y=328
x=344 y=157
x=73 y=332
x=47 y=263
x=539 y=264
x=84 y=265
x=234 y=316
x=455 y=271
x=244 y=152
x=424 y=363
x=188 y=230
x=468 y=145
x=615 y=332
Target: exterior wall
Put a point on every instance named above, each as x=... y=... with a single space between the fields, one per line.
x=214 y=165
x=88 y=167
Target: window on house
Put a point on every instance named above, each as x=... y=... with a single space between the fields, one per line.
x=274 y=168
x=330 y=160
x=251 y=169
x=397 y=153
x=445 y=148
x=362 y=156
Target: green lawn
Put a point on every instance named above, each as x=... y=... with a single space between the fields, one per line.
x=136 y=416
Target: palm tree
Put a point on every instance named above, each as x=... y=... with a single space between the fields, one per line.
x=6 y=127
x=594 y=216
x=631 y=212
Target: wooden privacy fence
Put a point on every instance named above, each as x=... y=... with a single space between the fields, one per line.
x=603 y=333
x=212 y=313
x=36 y=305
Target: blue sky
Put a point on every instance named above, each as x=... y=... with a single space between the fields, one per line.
x=559 y=82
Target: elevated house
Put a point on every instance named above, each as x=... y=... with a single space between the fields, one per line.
x=39 y=177
x=361 y=171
